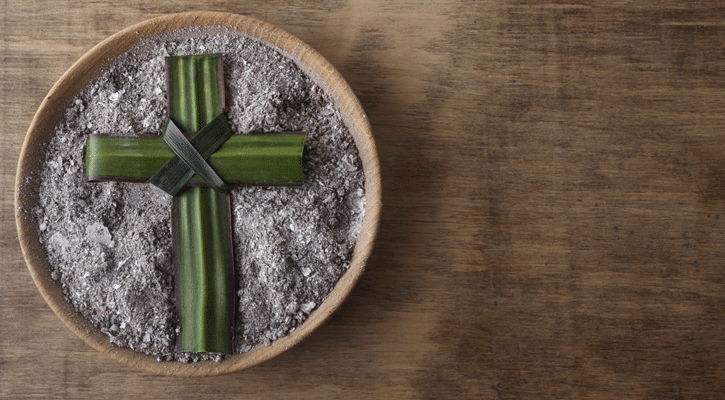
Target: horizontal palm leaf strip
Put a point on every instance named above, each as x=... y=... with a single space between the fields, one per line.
x=265 y=159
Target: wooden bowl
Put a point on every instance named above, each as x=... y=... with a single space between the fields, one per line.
x=90 y=66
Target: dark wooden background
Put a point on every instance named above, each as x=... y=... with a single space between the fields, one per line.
x=554 y=202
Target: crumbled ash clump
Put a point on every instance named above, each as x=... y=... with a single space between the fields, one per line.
x=109 y=243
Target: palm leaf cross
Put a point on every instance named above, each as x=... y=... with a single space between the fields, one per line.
x=197 y=171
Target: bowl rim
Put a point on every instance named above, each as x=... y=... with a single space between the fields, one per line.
x=89 y=66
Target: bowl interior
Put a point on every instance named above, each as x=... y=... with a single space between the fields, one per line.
x=90 y=66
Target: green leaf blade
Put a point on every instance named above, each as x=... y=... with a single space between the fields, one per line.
x=268 y=159
x=202 y=231
x=172 y=177
x=191 y=157
x=209 y=90
x=131 y=159
x=202 y=216
x=196 y=90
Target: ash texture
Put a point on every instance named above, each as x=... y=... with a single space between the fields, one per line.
x=109 y=243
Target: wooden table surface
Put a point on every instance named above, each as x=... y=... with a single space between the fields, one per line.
x=554 y=202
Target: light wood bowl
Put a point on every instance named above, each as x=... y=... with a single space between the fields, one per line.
x=90 y=66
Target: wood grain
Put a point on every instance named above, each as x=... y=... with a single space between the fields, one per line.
x=554 y=203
